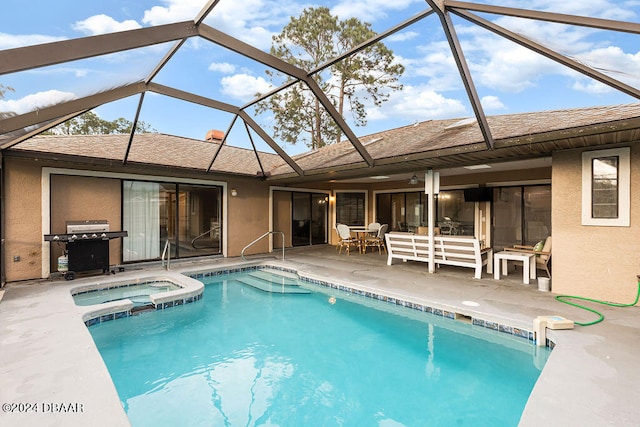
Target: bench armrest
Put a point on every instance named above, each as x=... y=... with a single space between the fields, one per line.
x=521 y=247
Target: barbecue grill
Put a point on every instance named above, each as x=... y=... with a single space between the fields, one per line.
x=86 y=246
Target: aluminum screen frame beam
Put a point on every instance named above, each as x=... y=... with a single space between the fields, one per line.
x=549 y=53
x=56 y=111
x=207 y=102
x=42 y=55
x=244 y=49
x=54 y=123
x=560 y=18
x=463 y=69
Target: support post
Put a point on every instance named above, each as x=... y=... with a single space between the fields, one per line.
x=431 y=188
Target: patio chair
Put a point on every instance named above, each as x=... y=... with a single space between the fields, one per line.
x=372 y=229
x=542 y=252
x=377 y=240
x=346 y=239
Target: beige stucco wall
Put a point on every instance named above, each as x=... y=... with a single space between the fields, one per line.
x=80 y=198
x=592 y=261
x=23 y=231
x=248 y=216
x=282 y=218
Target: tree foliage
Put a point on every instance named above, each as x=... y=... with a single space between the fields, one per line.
x=362 y=79
x=4 y=89
x=90 y=124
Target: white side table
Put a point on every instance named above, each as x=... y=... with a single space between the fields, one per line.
x=528 y=264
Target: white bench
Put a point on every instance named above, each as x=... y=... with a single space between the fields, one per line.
x=460 y=251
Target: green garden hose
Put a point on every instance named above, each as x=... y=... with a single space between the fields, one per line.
x=562 y=298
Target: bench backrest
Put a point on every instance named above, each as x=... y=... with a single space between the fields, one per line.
x=445 y=247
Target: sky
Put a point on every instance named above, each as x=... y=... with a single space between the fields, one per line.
x=508 y=78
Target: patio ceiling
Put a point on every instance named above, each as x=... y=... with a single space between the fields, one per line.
x=17 y=128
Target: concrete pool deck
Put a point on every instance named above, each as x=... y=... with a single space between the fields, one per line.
x=51 y=366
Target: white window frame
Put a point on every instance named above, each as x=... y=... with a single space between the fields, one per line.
x=624 y=187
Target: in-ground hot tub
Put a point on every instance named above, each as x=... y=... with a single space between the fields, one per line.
x=138 y=293
x=113 y=299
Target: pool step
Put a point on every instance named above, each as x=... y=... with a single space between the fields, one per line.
x=271 y=287
x=279 y=278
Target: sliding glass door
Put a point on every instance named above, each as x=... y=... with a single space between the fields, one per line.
x=401 y=211
x=521 y=215
x=309 y=218
x=186 y=216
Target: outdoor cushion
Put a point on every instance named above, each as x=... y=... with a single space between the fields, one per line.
x=538 y=246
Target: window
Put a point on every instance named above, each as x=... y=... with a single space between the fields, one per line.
x=350 y=208
x=606 y=187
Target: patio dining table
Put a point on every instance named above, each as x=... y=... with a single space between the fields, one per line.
x=361 y=232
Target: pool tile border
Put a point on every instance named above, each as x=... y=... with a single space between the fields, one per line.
x=436 y=311
x=106 y=287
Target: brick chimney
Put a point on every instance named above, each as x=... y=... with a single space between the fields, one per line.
x=215 y=136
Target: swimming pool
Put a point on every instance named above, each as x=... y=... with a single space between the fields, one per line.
x=249 y=356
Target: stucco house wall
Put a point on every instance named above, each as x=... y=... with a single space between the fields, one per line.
x=592 y=261
x=22 y=220
x=79 y=195
x=80 y=198
x=248 y=216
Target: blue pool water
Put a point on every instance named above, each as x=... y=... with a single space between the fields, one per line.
x=252 y=354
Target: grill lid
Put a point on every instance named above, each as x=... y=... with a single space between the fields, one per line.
x=87 y=226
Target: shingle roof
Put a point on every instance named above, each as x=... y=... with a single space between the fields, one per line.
x=440 y=137
x=154 y=149
x=450 y=142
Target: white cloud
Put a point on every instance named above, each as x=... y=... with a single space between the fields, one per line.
x=231 y=17
x=596 y=8
x=402 y=36
x=222 y=67
x=505 y=66
x=369 y=10
x=492 y=103
x=35 y=101
x=513 y=69
x=103 y=24
x=435 y=63
x=418 y=103
x=10 y=41
x=243 y=86
x=592 y=87
x=614 y=62
x=175 y=11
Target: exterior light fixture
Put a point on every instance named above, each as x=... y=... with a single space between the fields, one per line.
x=234 y=192
x=413 y=180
